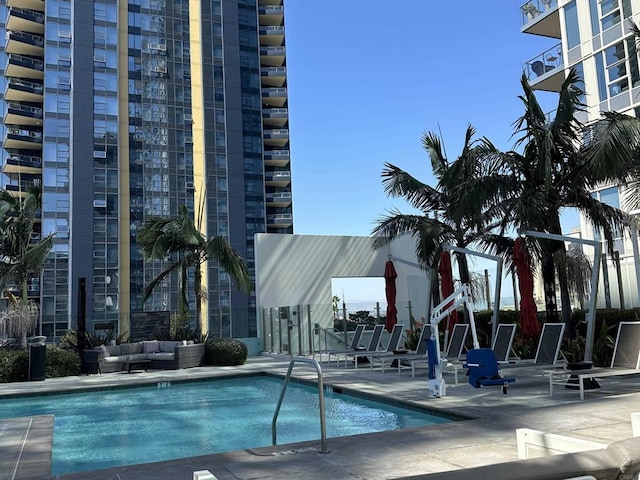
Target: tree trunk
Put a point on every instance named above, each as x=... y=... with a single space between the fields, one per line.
x=565 y=297
x=198 y=294
x=549 y=282
x=463 y=269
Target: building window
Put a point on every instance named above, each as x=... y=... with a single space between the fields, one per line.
x=572 y=25
x=617 y=69
x=611 y=197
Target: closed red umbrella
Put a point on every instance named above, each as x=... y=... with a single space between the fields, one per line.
x=446 y=288
x=528 y=312
x=390 y=276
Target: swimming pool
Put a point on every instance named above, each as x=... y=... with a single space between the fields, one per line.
x=109 y=428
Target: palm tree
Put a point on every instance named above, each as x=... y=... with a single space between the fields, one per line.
x=178 y=239
x=448 y=216
x=552 y=173
x=22 y=258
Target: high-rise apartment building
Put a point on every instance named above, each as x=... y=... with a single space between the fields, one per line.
x=593 y=36
x=126 y=109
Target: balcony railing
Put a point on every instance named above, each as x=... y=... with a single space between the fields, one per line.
x=278 y=176
x=27 y=14
x=272 y=51
x=25 y=85
x=545 y=62
x=274 y=92
x=30 y=38
x=26 y=109
x=25 y=161
x=275 y=154
x=25 y=61
x=271 y=10
x=273 y=71
x=534 y=8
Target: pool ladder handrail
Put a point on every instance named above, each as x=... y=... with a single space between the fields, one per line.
x=323 y=428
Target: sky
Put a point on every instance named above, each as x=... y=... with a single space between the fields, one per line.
x=367 y=78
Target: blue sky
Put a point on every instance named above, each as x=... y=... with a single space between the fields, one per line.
x=366 y=78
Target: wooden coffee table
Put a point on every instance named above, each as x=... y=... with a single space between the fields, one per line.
x=129 y=365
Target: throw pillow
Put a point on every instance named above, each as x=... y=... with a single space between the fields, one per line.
x=105 y=349
x=150 y=346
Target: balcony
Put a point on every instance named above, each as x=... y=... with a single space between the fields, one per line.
x=276 y=158
x=541 y=17
x=280 y=199
x=546 y=71
x=17 y=138
x=275 y=117
x=280 y=220
x=23 y=91
x=19 y=114
x=272 y=15
x=274 y=97
x=22 y=164
x=276 y=138
x=272 y=56
x=24 y=67
x=24 y=43
x=20 y=189
x=37 y=5
x=273 y=76
x=23 y=20
x=271 y=35
x=279 y=178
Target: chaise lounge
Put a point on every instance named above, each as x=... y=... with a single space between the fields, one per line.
x=167 y=355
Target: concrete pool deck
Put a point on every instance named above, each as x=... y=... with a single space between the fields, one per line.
x=488 y=438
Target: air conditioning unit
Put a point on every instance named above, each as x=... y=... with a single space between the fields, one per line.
x=100 y=203
x=64 y=34
x=98 y=59
x=188 y=117
x=162 y=47
x=188 y=140
x=160 y=69
x=99 y=154
x=190 y=185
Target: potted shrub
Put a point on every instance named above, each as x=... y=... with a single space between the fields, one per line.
x=530 y=10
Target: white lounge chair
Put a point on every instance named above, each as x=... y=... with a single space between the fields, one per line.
x=625 y=361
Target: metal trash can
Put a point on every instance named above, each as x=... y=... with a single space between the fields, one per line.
x=37 y=358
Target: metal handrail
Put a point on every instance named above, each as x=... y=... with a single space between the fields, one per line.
x=323 y=428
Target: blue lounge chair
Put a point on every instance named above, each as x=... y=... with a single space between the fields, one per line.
x=483 y=369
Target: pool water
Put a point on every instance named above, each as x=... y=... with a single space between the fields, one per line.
x=111 y=428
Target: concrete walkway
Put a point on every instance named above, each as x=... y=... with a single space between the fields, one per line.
x=488 y=438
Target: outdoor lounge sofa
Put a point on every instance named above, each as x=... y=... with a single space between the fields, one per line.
x=167 y=355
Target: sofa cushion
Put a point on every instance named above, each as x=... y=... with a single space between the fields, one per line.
x=115 y=349
x=161 y=356
x=134 y=357
x=131 y=348
x=168 y=346
x=113 y=359
x=150 y=346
